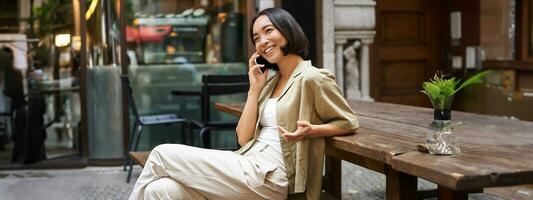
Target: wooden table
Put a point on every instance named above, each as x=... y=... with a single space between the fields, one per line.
x=495 y=151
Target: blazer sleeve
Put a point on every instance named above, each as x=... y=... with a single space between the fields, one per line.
x=331 y=106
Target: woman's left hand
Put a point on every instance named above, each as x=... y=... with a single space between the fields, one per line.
x=304 y=129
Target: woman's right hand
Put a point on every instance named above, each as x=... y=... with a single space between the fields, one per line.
x=257 y=79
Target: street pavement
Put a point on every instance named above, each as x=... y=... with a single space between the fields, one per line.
x=108 y=183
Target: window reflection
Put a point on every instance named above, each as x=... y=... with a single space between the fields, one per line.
x=171 y=44
x=170 y=32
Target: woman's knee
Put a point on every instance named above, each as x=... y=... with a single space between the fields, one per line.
x=165 y=188
x=166 y=149
x=165 y=153
x=172 y=150
x=162 y=148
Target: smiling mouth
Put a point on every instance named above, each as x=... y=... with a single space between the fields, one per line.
x=269 y=49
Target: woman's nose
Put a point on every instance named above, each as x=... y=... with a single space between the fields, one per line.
x=262 y=42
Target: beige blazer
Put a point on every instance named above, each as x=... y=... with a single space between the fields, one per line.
x=311 y=94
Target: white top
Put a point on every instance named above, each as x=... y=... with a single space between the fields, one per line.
x=269 y=134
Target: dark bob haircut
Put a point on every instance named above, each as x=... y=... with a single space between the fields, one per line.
x=289 y=27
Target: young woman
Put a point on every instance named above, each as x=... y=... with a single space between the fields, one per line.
x=290 y=108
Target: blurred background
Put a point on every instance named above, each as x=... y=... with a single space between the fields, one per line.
x=62 y=106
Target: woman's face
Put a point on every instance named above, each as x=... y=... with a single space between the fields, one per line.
x=268 y=40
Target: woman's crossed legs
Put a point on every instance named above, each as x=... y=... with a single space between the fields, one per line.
x=175 y=171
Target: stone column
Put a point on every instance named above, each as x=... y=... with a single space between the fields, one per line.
x=328 y=36
x=365 y=68
x=339 y=62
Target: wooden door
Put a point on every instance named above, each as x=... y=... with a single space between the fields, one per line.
x=406 y=50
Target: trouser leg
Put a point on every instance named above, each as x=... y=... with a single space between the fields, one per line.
x=167 y=189
x=214 y=174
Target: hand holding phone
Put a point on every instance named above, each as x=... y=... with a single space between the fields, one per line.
x=262 y=61
x=261 y=69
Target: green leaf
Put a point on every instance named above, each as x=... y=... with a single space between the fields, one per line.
x=474 y=79
x=441 y=91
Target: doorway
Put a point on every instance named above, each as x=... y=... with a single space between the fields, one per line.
x=407 y=49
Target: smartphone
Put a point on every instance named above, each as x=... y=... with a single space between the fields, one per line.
x=262 y=61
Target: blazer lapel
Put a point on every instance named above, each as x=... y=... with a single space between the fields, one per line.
x=294 y=74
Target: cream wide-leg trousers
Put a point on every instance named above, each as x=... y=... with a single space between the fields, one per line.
x=175 y=171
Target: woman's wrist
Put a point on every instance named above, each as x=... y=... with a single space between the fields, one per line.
x=253 y=93
x=312 y=130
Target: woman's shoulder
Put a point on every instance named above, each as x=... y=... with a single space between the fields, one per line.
x=316 y=75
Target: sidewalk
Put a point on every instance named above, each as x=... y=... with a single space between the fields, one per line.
x=110 y=183
x=88 y=183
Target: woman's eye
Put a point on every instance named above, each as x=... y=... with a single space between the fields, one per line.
x=256 y=40
x=269 y=30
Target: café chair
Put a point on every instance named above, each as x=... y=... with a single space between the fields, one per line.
x=215 y=85
x=141 y=121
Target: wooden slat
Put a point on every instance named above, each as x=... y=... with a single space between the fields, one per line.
x=139 y=157
x=466 y=171
x=233 y=109
x=371 y=144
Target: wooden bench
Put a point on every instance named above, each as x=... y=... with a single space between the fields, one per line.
x=139 y=157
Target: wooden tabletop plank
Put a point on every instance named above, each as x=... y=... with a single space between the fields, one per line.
x=420 y=116
x=466 y=171
x=392 y=112
x=380 y=139
x=233 y=109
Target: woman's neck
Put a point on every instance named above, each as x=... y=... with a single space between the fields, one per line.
x=288 y=64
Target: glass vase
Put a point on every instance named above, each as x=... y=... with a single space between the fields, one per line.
x=440 y=139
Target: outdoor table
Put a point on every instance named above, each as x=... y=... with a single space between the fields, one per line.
x=495 y=151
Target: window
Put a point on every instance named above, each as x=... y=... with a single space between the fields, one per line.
x=173 y=32
x=171 y=44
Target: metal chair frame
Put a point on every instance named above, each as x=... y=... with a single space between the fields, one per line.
x=146 y=120
x=215 y=85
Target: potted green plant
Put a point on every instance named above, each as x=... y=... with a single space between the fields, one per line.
x=441 y=91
